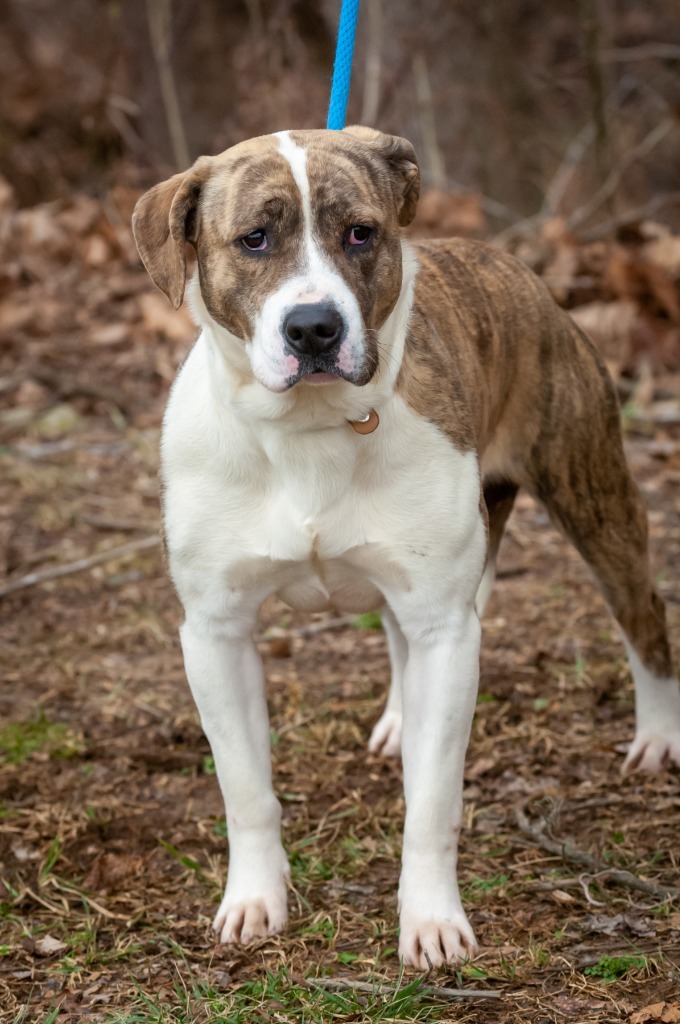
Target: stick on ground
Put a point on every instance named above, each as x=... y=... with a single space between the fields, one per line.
x=346 y=985
x=32 y=579
x=596 y=867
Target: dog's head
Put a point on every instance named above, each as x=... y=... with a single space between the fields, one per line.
x=297 y=243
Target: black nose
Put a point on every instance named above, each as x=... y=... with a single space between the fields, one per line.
x=313 y=328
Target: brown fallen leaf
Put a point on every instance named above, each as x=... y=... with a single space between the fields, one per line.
x=480 y=767
x=608 y=924
x=280 y=647
x=667 y=1013
x=47 y=945
x=110 y=869
x=158 y=316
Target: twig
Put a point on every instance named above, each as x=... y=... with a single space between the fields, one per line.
x=595 y=867
x=84 y=895
x=565 y=172
x=320 y=627
x=70 y=388
x=121 y=525
x=610 y=185
x=256 y=19
x=369 y=108
x=33 y=579
x=342 y=985
x=591 y=27
x=47 y=449
x=311 y=630
x=159 y=16
x=488 y=205
x=629 y=217
x=586 y=892
x=646 y=51
x=428 y=124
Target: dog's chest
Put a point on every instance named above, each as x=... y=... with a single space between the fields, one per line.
x=322 y=518
x=316 y=522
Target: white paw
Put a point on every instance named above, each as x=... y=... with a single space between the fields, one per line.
x=386 y=736
x=653 y=749
x=428 y=943
x=242 y=921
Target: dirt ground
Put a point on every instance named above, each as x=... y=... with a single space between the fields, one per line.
x=112 y=832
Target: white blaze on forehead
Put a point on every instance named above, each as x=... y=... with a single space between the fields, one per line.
x=316 y=280
x=297 y=158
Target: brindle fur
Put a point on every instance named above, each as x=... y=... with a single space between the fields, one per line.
x=499 y=367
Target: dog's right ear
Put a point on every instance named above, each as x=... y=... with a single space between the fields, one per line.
x=163 y=222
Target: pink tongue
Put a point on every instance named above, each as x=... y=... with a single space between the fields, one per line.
x=319 y=378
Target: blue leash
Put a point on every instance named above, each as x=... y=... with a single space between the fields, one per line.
x=342 y=68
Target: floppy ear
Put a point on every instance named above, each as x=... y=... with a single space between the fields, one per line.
x=162 y=223
x=401 y=159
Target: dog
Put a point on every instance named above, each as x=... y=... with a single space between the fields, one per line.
x=350 y=431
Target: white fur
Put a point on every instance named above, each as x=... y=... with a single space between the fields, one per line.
x=316 y=281
x=386 y=735
x=657 y=718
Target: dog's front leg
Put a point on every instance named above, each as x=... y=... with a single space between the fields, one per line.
x=439 y=695
x=227 y=681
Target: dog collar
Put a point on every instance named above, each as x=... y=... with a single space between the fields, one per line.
x=367 y=424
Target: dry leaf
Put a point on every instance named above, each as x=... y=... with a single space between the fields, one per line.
x=110 y=869
x=47 y=945
x=480 y=767
x=667 y=1013
x=608 y=924
x=610 y=326
x=159 y=316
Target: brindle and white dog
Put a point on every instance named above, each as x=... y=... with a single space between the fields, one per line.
x=320 y=322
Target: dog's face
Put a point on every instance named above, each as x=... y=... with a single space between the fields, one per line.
x=298 y=247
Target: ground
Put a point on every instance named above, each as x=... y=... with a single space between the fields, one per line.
x=112 y=837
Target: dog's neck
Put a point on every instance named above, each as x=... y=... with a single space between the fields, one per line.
x=307 y=407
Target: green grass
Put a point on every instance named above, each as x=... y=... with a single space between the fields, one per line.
x=188 y=862
x=371 y=620
x=477 y=887
x=19 y=740
x=191 y=1000
x=610 y=968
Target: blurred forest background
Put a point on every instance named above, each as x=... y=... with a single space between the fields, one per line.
x=551 y=129
x=505 y=98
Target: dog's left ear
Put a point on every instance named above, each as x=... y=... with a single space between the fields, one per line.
x=401 y=159
x=163 y=222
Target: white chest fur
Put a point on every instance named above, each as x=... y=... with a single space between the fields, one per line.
x=323 y=517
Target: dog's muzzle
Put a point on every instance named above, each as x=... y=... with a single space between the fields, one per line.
x=317 y=336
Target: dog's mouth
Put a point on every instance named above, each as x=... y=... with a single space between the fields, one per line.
x=319 y=378
x=322 y=371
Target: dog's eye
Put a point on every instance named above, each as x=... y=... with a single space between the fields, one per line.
x=255 y=241
x=359 y=234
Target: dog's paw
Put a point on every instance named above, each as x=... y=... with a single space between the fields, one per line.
x=652 y=750
x=386 y=736
x=242 y=921
x=427 y=944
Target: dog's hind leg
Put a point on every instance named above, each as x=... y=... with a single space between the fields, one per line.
x=588 y=490
x=499 y=497
x=386 y=735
